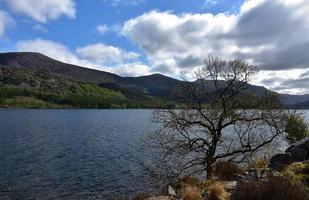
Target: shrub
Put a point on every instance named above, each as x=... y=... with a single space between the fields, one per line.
x=217 y=192
x=188 y=180
x=260 y=164
x=192 y=181
x=275 y=188
x=298 y=172
x=191 y=193
x=225 y=170
x=296 y=128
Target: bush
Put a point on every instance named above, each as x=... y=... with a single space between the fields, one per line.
x=188 y=180
x=275 y=188
x=190 y=193
x=217 y=192
x=260 y=164
x=298 y=172
x=296 y=128
x=225 y=170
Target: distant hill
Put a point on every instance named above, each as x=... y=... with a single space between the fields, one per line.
x=26 y=69
x=301 y=105
x=38 y=62
x=153 y=85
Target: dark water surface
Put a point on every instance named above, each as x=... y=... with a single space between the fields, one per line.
x=73 y=154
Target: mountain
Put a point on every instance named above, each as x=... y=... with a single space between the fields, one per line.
x=153 y=85
x=289 y=99
x=301 y=105
x=52 y=79
x=38 y=62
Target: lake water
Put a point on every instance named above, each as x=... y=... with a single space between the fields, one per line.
x=74 y=154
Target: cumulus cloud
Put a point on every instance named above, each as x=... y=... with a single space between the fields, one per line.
x=103 y=54
x=180 y=41
x=210 y=3
x=6 y=21
x=131 y=69
x=271 y=34
x=42 y=10
x=102 y=29
x=52 y=49
x=97 y=56
x=123 y=2
x=40 y=28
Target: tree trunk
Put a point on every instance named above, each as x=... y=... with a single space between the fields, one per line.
x=209 y=172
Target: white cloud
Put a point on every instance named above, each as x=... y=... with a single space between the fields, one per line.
x=210 y=3
x=102 y=29
x=130 y=69
x=272 y=34
x=103 y=54
x=6 y=21
x=42 y=10
x=123 y=2
x=40 y=28
x=97 y=56
x=52 y=49
x=180 y=41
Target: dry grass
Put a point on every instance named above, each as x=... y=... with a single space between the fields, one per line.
x=275 y=188
x=192 y=181
x=191 y=193
x=260 y=164
x=217 y=192
x=141 y=196
x=226 y=170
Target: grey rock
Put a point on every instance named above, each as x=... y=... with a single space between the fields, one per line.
x=171 y=191
x=278 y=161
x=302 y=144
x=298 y=154
x=231 y=185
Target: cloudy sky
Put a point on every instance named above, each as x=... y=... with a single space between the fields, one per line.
x=140 y=37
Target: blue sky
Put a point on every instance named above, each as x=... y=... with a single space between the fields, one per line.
x=82 y=29
x=140 y=37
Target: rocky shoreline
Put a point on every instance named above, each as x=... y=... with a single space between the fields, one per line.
x=296 y=155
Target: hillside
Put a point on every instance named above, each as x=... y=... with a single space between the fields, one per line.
x=51 y=91
x=36 y=62
x=27 y=74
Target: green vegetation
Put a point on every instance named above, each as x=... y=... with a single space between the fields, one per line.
x=79 y=95
x=298 y=172
x=26 y=102
x=296 y=128
x=22 y=89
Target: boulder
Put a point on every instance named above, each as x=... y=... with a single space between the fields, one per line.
x=171 y=191
x=167 y=190
x=278 y=161
x=302 y=144
x=298 y=154
x=300 y=149
x=230 y=186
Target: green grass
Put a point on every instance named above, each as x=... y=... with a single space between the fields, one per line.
x=26 y=102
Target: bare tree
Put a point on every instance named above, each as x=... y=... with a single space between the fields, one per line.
x=222 y=118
